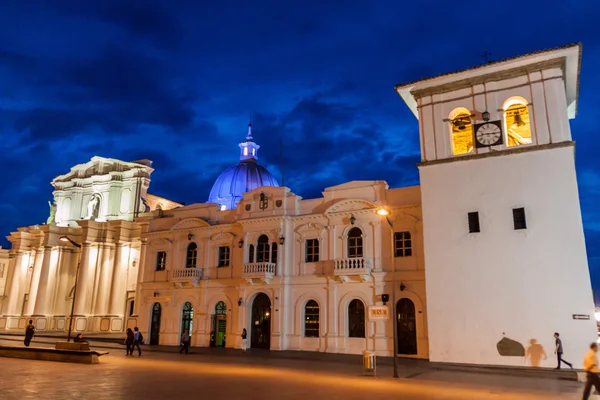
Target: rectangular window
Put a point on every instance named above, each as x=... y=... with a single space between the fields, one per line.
x=312 y=250
x=402 y=244
x=474 y=222
x=161 y=260
x=519 y=218
x=224 y=255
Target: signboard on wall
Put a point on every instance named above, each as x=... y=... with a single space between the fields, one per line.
x=581 y=316
x=378 y=313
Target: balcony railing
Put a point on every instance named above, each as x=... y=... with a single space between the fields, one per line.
x=351 y=266
x=262 y=270
x=186 y=275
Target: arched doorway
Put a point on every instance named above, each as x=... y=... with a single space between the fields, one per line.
x=407 y=327
x=155 y=324
x=219 y=325
x=261 y=322
x=187 y=318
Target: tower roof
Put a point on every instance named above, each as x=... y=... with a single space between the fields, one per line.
x=567 y=57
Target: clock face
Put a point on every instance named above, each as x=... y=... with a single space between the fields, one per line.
x=488 y=134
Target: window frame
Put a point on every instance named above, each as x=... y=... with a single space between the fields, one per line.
x=474 y=224
x=312 y=320
x=519 y=218
x=355 y=242
x=224 y=256
x=161 y=262
x=354 y=331
x=274 y=253
x=312 y=252
x=191 y=256
x=262 y=249
x=403 y=244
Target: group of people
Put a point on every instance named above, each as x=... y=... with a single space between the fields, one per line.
x=133 y=339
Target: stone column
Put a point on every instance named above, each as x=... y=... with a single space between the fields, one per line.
x=67 y=259
x=18 y=275
x=42 y=300
x=84 y=276
x=119 y=281
x=35 y=281
x=333 y=318
x=377 y=253
x=104 y=282
x=138 y=284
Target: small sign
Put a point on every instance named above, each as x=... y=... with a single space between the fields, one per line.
x=377 y=313
x=581 y=316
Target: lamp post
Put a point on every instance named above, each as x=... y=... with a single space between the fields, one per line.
x=385 y=213
x=68 y=239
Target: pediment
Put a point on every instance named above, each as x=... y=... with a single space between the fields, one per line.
x=311 y=226
x=99 y=166
x=160 y=242
x=190 y=223
x=223 y=236
x=348 y=205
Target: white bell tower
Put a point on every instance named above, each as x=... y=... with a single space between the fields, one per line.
x=505 y=256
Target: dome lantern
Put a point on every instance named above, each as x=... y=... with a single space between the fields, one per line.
x=249 y=149
x=230 y=186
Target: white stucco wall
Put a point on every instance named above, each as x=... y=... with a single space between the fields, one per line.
x=524 y=284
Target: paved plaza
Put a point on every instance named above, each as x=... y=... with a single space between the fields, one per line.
x=254 y=376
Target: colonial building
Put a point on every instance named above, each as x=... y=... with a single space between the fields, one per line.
x=488 y=254
x=94 y=205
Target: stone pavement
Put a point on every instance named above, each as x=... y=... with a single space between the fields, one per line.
x=260 y=375
x=411 y=367
x=173 y=376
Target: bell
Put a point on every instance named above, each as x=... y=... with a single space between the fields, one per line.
x=518 y=119
x=459 y=124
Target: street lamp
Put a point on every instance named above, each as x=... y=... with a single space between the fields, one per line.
x=68 y=239
x=385 y=213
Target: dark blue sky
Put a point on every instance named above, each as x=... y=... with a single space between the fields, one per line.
x=176 y=81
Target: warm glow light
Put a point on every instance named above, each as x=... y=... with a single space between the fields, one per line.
x=64 y=239
x=383 y=211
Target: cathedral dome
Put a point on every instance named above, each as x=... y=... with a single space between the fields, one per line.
x=248 y=175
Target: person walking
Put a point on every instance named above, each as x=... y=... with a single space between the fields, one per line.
x=590 y=365
x=137 y=340
x=558 y=350
x=244 y=340
x=129 y=341
x=185 y=342
x=29 y=332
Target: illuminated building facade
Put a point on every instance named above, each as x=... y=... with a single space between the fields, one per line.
x=488 y=251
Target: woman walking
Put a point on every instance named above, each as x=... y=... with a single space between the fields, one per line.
x=244 y=340
x=129 y=342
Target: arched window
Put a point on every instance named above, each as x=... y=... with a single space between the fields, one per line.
x=355 y=243
x=221 y=308
x=187 y=317
x=274 y=253
x=251 y=253
x=516 y=118
x=356 y=319
x=262 y=249
x=192 y=255
x=462 y=132
x=311 y=319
